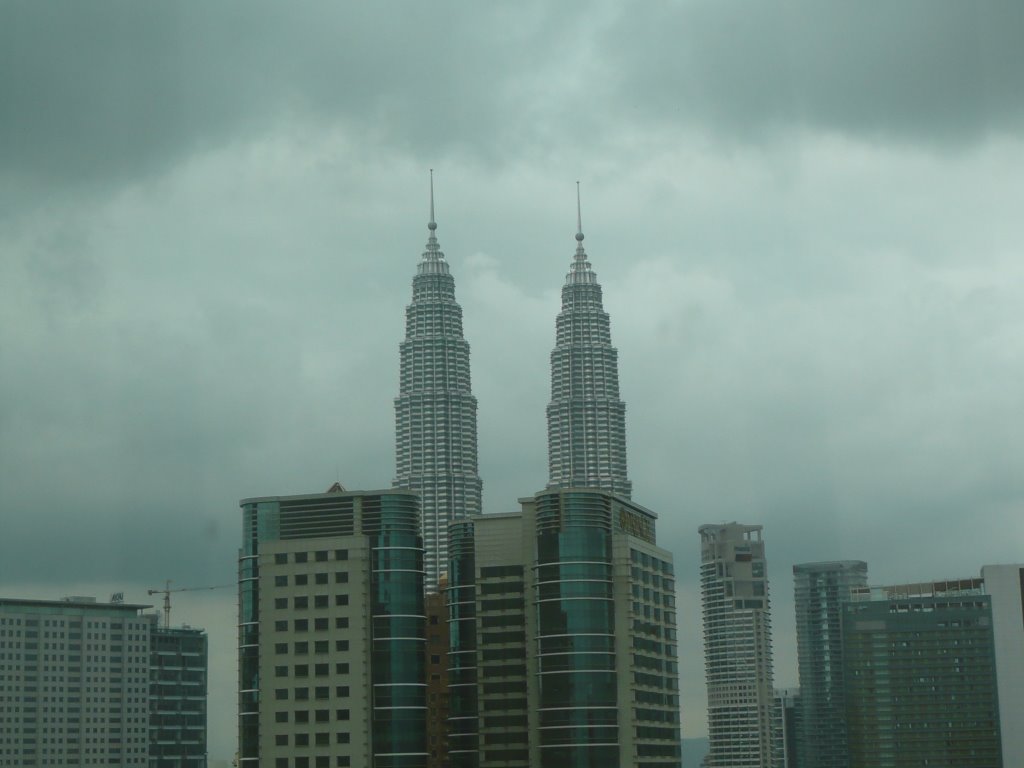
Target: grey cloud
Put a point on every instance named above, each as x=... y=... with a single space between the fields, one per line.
x=941 y=72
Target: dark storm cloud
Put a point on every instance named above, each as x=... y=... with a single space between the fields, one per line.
x=112 y=89
x=923 y=70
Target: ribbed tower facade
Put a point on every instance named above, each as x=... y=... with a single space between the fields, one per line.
x=435 y=411
x=586 y=418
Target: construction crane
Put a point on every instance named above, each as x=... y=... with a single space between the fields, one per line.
x=166 y=592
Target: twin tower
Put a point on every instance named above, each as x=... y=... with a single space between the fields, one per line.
x=435 y=411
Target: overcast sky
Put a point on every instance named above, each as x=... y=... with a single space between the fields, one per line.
x=806 y=218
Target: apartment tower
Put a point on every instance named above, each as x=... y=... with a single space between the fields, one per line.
x=435 y=411
x=821 y=591
x=737 y=646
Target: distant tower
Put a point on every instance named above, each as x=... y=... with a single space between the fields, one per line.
x=586 y=418
x=822 y=589
x=737 y=646
x=435 y=411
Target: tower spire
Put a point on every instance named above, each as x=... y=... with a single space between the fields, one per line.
x=579 y=215
x=433 y=258
x=433 y=224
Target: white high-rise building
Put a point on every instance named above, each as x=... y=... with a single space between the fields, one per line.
x=74 y=683
x=586 y=418
x=737 y=646
x=1005 y=585
x=435 y=411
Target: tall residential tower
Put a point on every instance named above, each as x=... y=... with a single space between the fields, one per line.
x=435 y=411
x=586 y=418
x=737 y=646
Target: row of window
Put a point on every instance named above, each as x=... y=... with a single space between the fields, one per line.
x=319 y=670
x=319 y=625
x=320 y=556
x=301 y=602
x=322 y=739
x=320 y=693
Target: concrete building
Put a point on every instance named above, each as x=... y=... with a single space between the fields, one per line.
x=177 y=697
x=586 y=418
x=821 y=591
x=1005 y=586
x=435 y=411
x=737 y=646
x=563 y=636
x=920 y=676
x=84 y=683
x=332 y=631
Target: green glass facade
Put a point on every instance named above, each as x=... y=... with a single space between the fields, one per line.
x=920 y=677
x=577 y=686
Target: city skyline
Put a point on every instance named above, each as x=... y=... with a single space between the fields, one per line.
x=809 y=244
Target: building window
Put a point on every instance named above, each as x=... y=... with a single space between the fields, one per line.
x=301 y=557
x=321 y=556
x=323 y=692
x=281 y=558
x=341 y=691
x=320 y=601
x=301 y=580
x=341 y=622
x=341 y=645
x=342 y=714
x=341 y=599
x=341 y=554
x=302 y=716
x=302 y=625
x=320 y=625
x=280 y=647
x=302 y=694
x=280 y=581
x=341 y=668
x=342 y=738
x=341 y=577
x=302 y=602
x=321 y=578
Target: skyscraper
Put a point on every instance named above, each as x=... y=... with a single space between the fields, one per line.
x=821 y=591
x=332 y=631
x=921 y=676
x=737 y=646
x=586 y=418
x=563 y=637
x=435 y=411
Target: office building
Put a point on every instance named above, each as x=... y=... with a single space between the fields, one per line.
x=586 y=418
x=1005 y=586
x=435 y=411
x=332 y=631
x=920 y=676
x=563 y=636
x=177 y=697
x=79 y=685
x=737 y=646
x=821 y=591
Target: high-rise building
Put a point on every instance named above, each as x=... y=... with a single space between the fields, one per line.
x=74 y=685
x=90 y=683
x=821 y=591
x=563 y=637
x=177 y=697
x=1005 y=585
x=332 y=631
x=435 y=411
x=737 y=646
x=920 y=676
x=586 y=418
